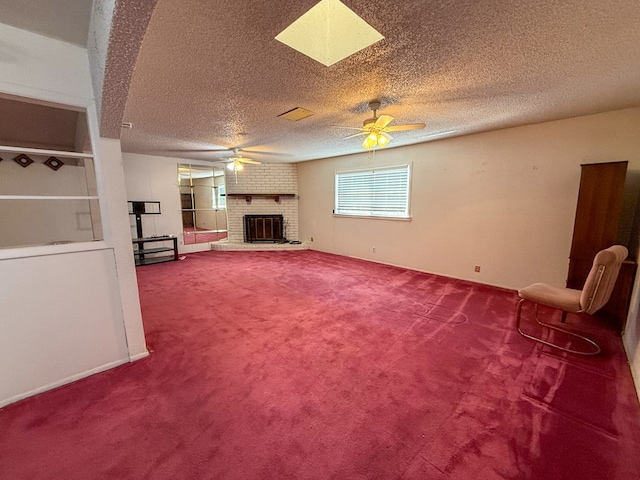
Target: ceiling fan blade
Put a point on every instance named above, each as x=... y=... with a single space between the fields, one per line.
x=411 y=126
x=355 y=135
x=383 y=121
x=262 y=152
x=198 y=150
x=348 y=128
x=248 y=160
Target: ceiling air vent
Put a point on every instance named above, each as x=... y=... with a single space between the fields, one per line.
x=296 y=114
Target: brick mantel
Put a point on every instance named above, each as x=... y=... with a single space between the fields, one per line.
x=262 y=183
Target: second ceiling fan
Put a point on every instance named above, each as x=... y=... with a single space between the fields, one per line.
x=377 y=128
x=237 y=160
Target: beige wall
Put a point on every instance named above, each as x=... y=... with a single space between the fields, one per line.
x=504 y=200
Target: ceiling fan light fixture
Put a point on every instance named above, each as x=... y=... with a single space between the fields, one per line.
x=376 y=139
x=370 y=142
x=377 y=128
x=383 y=140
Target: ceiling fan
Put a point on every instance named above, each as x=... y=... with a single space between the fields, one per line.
x=377 y=128
x=237 y=160
x=217 y=151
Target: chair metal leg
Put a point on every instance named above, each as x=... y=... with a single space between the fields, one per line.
x=562 y=320
x=518 y=316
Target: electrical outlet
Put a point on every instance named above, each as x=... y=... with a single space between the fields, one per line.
x=374 y=249
x=312 y=239
x=477 y=269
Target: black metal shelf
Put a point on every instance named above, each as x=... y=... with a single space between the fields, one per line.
x=140 y=253
x=147 y=251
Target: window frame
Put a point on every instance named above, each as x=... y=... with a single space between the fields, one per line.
x=221 y=197
x=405 y=216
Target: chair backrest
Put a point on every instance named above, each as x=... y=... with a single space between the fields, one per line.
x=602 y=277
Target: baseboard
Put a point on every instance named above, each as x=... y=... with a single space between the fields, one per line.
x=139 y=356
x=64 y=381
x=415 y=269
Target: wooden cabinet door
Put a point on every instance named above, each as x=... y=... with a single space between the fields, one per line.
x=597 y=216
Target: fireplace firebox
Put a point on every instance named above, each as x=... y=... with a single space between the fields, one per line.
x=264 y=228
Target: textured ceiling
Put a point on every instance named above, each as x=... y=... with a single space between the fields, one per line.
x=211 y=75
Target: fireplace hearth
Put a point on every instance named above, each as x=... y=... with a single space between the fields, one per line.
x=264 y=228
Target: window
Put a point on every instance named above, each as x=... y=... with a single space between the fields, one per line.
x=382 y=192
x=222 y=197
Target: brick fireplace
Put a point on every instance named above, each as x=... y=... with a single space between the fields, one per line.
x=255 y=193
x=263 y=228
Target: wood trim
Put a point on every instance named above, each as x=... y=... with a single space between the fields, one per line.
x=249 y=196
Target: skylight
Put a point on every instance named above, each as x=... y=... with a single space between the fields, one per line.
x=329 y=32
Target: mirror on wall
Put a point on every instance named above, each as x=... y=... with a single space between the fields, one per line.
x=204 y=203
x=48 y=190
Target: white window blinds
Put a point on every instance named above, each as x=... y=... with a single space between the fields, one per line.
x=383 y=192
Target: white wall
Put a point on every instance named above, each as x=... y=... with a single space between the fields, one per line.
x=43 y=345
x=504 y=200
x=104 y=306
x=44 y=67
x=115 y=218
x=154 y=178
x=39 y=222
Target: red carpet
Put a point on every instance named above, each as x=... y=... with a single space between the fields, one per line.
x=303 y=365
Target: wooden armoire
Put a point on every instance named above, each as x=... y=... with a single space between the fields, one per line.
x=596 y=227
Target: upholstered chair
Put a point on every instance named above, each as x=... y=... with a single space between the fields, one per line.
x=593 y=296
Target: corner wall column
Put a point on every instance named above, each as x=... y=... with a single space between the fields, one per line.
x=113 y=201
